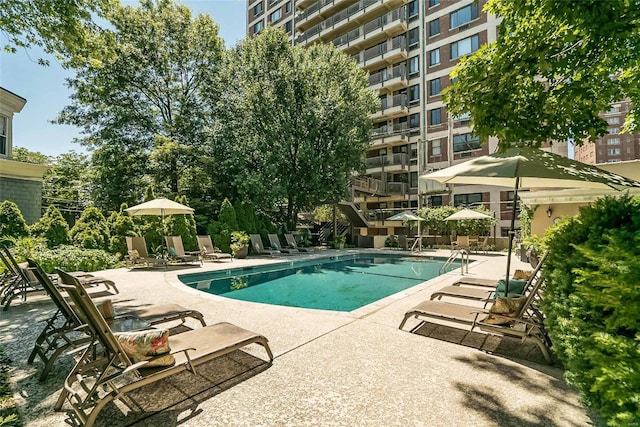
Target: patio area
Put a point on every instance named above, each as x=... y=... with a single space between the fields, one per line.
x=330 y=368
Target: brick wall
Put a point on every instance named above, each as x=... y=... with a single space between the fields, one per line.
x=26 y=194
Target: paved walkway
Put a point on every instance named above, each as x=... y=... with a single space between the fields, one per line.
x=331 y=368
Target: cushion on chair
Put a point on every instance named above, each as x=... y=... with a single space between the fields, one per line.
x=516 y=287
x=134 y=254
x=172 y=252
x=522 y=274
x=507 y=307
x=275 y=246
x=143 y=345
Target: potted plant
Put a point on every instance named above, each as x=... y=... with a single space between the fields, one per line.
x=239 y=244
x=338 y=242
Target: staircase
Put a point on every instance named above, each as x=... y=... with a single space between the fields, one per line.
x=353 y=214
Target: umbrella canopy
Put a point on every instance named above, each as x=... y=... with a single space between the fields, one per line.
x=160 y=206
x=467 y=214
x=405 y=216
x=525 y=167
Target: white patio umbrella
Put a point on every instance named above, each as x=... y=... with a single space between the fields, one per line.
x=408 y=216
x=160 y=207
x=526 y=167
x=467 y=214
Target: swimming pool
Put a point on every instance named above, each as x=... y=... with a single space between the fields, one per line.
x=338 y=283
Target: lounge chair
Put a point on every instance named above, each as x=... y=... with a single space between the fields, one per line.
x=64 y=330
x=275 y=244
x=462 y=242
x=291 y=241
x=482 y=245
x=258 y=247
x=482 y=293
x=138 y=255
x=210 y=252
x=105 y=371
x=524 y=321
x=18 y=284
x=177 y=253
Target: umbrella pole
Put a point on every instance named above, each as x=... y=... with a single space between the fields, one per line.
x=419 y=237
x=511 y=233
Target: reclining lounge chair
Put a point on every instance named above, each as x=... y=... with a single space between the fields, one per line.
x=177 y=253
x=210 y=252
x=138 y=255
x=100 y=377
x=258 y=247
x=291 y=241
x=64 y=329
x=275 y=244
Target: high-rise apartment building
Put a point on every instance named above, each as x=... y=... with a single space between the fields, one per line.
x=409 y=49
x=614 y=146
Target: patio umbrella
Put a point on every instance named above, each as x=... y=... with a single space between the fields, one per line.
x=526 y=167
x=467 y=214
x=160 y=207
x=408 y=216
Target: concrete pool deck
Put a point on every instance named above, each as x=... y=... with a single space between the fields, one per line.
x=330 y=368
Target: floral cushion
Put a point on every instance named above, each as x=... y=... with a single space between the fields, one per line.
x=506 y=307
x=134 y=254
x=144 y=345
x=522 y=274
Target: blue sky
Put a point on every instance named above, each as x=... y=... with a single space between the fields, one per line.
x=46 y=93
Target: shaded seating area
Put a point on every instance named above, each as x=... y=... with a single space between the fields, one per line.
x=138 y=255
x=274 y=240
x=210 y=252
x=258 y=247
x=291 y=242
x=113 y=365
x=177 y=253
x=512 y=317
x=64 y=330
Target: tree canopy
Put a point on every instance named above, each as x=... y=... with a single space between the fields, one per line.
x=553 y=68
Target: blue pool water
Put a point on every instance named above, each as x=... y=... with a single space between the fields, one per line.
x=340 y=284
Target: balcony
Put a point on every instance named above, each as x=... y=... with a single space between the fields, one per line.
x=385 y=136
x=347 y=20
x=388 y=163
x=385 y=81
x=374 y=32
x=391 y=52
x=371 y=186
x=319 y=12
x=392 y=107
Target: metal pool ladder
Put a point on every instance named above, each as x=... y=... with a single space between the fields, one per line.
x=454 y=255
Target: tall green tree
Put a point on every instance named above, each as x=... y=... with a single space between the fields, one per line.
x=91 y=231
x=21 y=154
x=553 y=68
x=66 y=181
x=120 y=226
x=183 y=226
x=52 y=227
x=12 y=223
x=141 y=110
x=294 y=124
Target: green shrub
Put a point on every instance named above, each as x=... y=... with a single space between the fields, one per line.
x=91 y=230
x=12 y=223
x=71 y=258
x=220 y=230
x=52 y=227
x=183 y=226
x=592 y=305
x=120 y=226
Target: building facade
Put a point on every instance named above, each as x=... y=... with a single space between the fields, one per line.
x=19 y=182
x=409 y=48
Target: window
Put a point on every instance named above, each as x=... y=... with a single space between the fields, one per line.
x=434 y=57
x=413 y=37
x=465 y=142
x=257 y=9
x=613 y=141
x=465 y=46
x=433 y=3
x=287 y=7
x=436 y=201
x=434 y=87
x=614 y=131
x=257 y=27
x=613 y=151
x=436 y=147
x=414 y=93
x=435 y=116
x=414 y=121
x=613 y=120
x=414 y=65
x=614 y=109
x=472 y=199
x=434 y=27
x=412 y=8
x=275 y=16
x=3 y=135
x=413 y=179
x=463 y=15
x=287 y=26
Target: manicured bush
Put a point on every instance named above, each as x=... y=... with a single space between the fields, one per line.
x=12 y=223
x=592 y=305
x=184 y=226
x=71 y=258
x=120 y=226
x=52 y=227
x=220 y=230
x=91 y=230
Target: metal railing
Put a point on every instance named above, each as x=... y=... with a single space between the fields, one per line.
x=452 y=258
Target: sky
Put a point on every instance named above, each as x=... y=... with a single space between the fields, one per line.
x=46 y=93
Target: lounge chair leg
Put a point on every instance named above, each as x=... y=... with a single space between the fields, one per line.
x=406 y=317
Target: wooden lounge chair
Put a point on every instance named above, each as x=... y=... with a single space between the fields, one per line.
x=64 y=329
x=258 y=247
x=525 y=322
x=20 y=285
x=291 y=241
x=210 y=252
x=516 y=288
x=138 y=255
x=275 y=244
x=100 y=377
x=177 y=252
